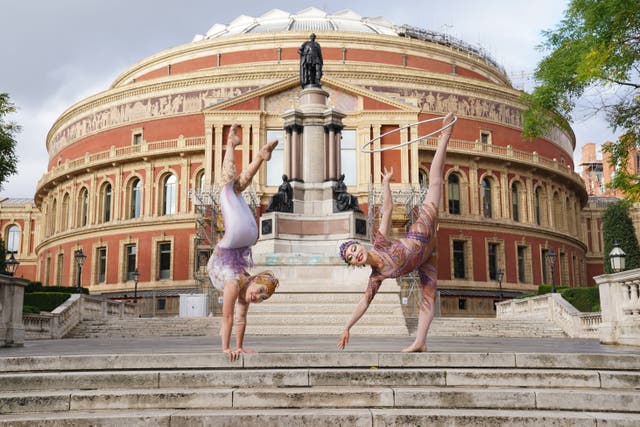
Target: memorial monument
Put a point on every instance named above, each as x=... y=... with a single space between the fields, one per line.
x=321 y=215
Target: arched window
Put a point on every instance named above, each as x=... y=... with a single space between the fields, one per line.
x=538 y=206
x=135 y=198
x=423 y=178
x=557 y=211
x=453 y=184
x=486 y=198
x=200 y=182
x=169 y=196
x=13 y=239
x=83 y=207
x=52 y=218
x=515 y=202
x=65 y=213
x=105 y=201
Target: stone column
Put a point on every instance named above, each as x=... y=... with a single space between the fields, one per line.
x=286 y=166
x=11 y=301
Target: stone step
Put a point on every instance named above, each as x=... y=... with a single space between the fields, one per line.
x=355 y=417
x=323 y=308
x=556 y=362
x=567 y=399
x=313 y=377
x=362 y=328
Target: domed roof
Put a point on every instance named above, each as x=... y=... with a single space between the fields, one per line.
x=310 y=19
x=313 y=19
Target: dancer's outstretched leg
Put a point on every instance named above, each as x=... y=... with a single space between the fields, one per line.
x=429 y=216
x=242 y=181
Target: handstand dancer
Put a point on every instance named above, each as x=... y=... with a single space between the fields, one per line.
x=391 y=258
x=232 y=255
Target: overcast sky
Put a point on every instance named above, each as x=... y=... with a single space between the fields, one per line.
x=55 y=53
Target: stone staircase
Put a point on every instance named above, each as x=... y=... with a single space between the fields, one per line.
x=146 y=327
x=297 y=324
x=337 y=389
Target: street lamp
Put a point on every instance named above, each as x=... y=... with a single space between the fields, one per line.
x=135 y=276
x=499 y=277
x=551 y=257
x=11 y=265
x=617 y=258
x=80 y=259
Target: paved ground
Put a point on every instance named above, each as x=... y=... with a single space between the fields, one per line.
x=304 y=344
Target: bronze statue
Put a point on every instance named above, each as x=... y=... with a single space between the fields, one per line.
x=282 y=201
x=310 y=63
x=344 y=200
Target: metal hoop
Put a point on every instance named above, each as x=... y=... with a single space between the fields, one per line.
x=402 y=144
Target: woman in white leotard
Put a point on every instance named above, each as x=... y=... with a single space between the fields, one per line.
x=232 y=255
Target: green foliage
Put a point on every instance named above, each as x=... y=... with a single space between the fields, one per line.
x=45 y=301
x=8 y=130
x=38 y=287
x=618 y=227
x=596 y=45
x=586 y=299
x=545 y=289
x=29 y=309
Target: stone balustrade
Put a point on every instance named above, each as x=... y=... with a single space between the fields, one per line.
x=63 y=319
x=554 y=308
x=620 y=304
x=11 y=299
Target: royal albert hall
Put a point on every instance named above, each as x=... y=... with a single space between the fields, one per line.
x=125 y=163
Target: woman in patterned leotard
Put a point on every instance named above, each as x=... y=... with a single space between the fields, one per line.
x=390 y=258
x=232 y=254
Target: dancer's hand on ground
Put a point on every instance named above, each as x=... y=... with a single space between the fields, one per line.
x=344 y=340
x=445 y=121
x=387 y=175
x=234 y=138
x=245 y=351
x=231 y=354
x=267 y=149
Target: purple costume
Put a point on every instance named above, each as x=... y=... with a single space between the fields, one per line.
x=232 y=255
x=410 y=253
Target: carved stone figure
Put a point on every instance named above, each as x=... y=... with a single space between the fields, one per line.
x=282 y=201
x=310 y=63
x=344 y=200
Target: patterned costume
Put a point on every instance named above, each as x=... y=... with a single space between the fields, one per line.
x=232 y=254
x=410 y=253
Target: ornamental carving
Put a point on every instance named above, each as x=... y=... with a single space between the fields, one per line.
x=143 y=109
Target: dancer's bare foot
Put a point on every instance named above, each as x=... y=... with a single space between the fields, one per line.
x=234 y=138
x=445 y=121
x=414 y=348
x=267 y=149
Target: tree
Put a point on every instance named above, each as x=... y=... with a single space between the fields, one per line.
x=8 y=130
x=618 y=227
x=596 y=46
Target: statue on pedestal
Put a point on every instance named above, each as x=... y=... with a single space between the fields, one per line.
x=344 y=200
x=310 y=63
x=282 y=201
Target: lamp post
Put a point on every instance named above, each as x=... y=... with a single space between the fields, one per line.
x=11 y=265
x=136 y=276
x=551 y=257
x=617 y=258
x=499 y=277
x=80 y=259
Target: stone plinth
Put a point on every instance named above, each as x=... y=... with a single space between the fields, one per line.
x=620 y=307
x=11 y=301
x=310 y=234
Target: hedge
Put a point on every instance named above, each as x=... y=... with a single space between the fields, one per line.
x=38 y=287
x=30 y=309
x=45 y=301
x=586 y=299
